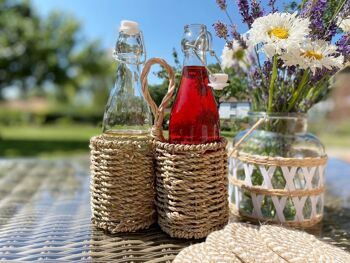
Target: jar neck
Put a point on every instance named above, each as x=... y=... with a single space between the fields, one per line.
x=281 y=122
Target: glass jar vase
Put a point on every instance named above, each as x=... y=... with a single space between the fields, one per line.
x=277 y=171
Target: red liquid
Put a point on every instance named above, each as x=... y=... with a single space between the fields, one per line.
x=194 y=117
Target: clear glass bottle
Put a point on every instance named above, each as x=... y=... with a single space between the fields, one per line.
x=127 y=112
x=194 y=116
x=281 y=135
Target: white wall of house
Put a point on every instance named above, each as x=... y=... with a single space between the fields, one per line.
x=228 y=110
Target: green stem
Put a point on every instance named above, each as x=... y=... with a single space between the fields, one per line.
x=297 y=93
x=272 y=83
x=229 y=17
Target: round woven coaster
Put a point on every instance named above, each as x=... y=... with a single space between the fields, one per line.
x=296 y=246
x=193 y=254
x=244 y=241
x=122 y=183
x=217 y=248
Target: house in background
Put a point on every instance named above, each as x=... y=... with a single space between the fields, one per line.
x=341 y=96
x=337 y=107
x=231 y=108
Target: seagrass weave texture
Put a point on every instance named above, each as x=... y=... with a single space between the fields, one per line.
x=191 y=180
x=122 y=183
x=191 y=183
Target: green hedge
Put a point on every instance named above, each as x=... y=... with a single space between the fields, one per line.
x=61 y=116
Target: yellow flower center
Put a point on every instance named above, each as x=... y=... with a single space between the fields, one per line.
x=239 y=54
x=279 y=32
x=312 y=54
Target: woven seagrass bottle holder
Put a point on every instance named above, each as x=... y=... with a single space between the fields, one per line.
x=122 y=183
x=191 y=180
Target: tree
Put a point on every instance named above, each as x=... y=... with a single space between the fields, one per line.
x=37 y=52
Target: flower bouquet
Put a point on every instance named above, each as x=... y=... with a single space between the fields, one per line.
x=286 y=60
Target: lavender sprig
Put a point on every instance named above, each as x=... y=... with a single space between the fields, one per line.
x=272 y=5
x=343 y=45
x=257 y=11
x=221 y=29
x=243 y=7
x=345 y=10
x=221 y=4
x=315 y=11
x=237 y=36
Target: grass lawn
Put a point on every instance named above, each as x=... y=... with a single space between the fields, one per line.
x=50 y=140
x=59 y=140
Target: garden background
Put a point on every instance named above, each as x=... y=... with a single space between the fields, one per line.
x=56 y=70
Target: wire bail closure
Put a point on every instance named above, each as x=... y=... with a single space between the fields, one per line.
x=218 y=81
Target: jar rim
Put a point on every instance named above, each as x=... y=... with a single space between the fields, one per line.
x=277 y=115
x=195 y=26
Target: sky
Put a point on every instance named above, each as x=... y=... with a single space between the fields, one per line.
x=161 y=21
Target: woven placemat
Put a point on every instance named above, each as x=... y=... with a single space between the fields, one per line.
x=297 y=246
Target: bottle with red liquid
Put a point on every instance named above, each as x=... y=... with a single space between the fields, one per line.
x=194 y=116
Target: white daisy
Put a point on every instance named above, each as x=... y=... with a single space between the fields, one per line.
x=313 y=55
x=278 y=32
x=344 y=24
x=235 y=56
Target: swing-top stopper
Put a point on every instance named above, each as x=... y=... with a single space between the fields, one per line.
x=218 y=81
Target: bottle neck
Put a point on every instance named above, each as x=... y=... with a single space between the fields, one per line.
x=193 y=59
x=130 y=75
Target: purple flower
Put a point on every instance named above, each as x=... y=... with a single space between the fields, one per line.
x=220 y=29
x=345 y=10
x=237 y=36
x=315 y=10
x=321 y=73
x=272 y=5
x=257 y=11
x=343 y=45
x=222 y=4
x=267 y=68
x=243 y=7
x=332 y=30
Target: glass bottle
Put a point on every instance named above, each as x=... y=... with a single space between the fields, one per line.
x=194 y=116
x=127 y=112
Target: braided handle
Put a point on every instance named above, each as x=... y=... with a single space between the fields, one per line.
x=245 y=136
x=158 y=113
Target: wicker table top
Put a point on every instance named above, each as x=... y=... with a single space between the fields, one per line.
x=45 y=215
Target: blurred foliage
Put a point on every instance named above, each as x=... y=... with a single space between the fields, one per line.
x=158 y=91
x=332 y=6
x=47 y=56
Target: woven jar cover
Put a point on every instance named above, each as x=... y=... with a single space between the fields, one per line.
x=122 y=183
x=239 y=242
x=191 y=184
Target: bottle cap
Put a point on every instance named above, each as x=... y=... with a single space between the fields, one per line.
x=129 y=27
x=218 y=81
